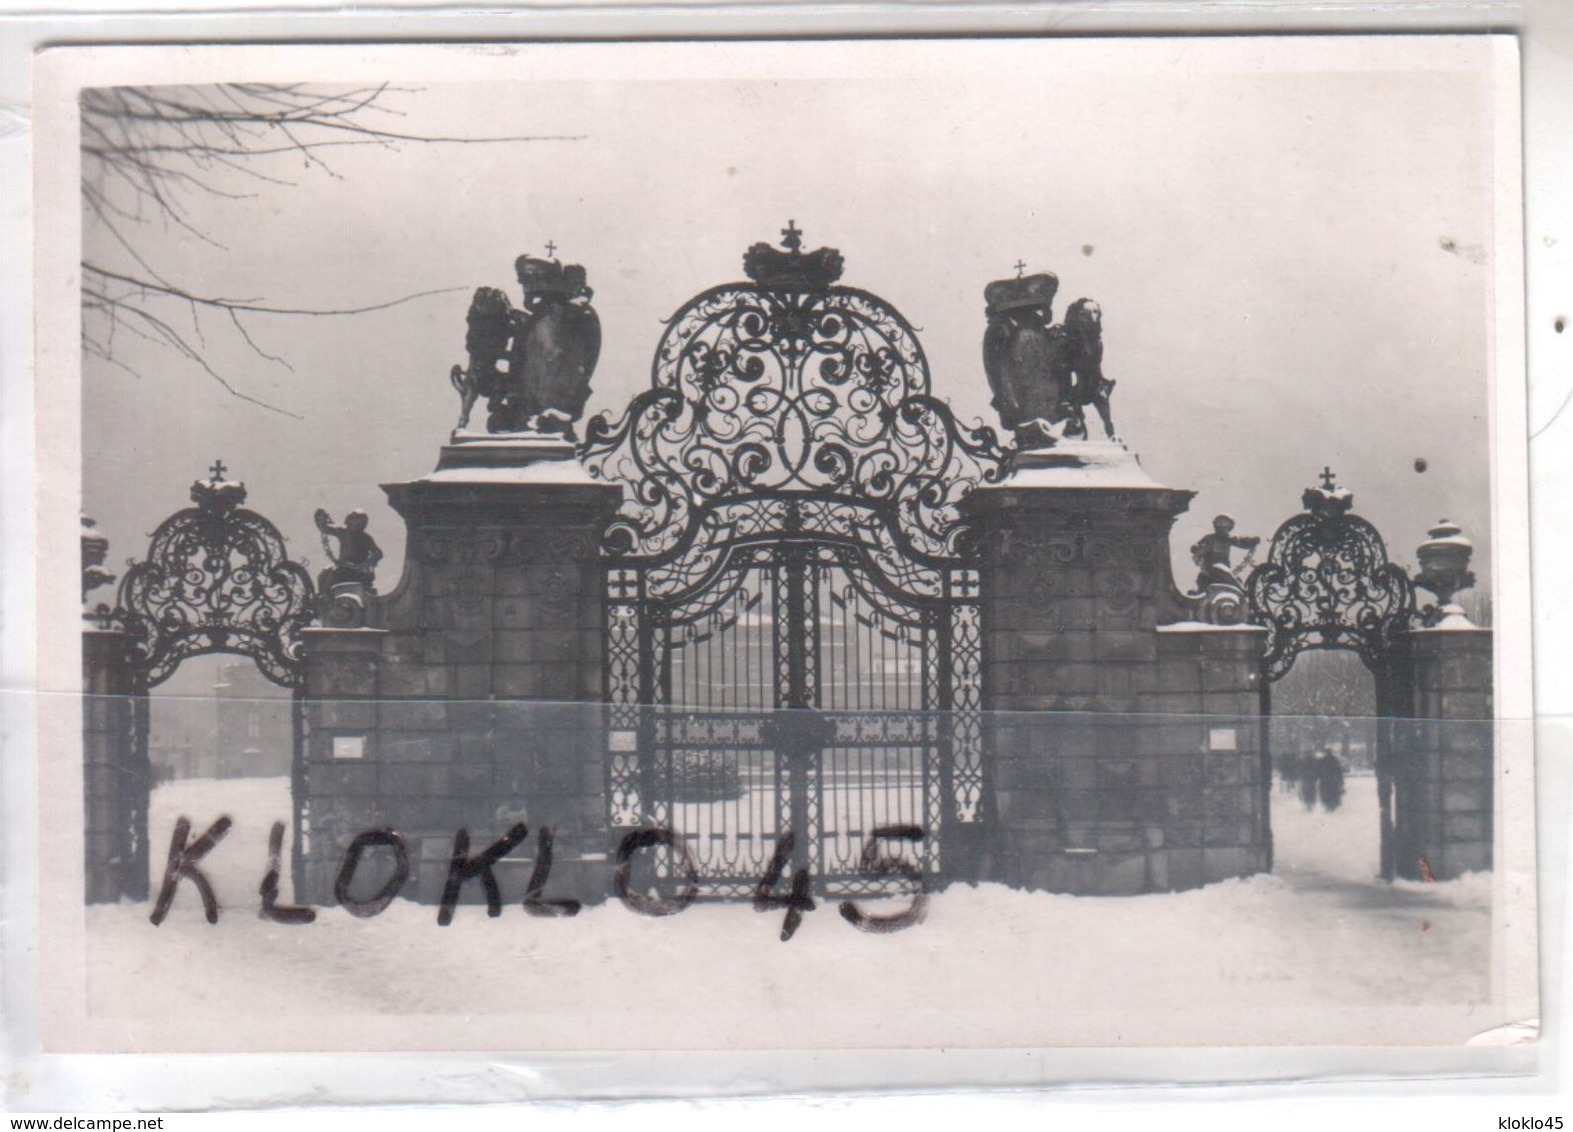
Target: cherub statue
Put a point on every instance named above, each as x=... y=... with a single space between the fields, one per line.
x=1212 y=552
x=358 y=553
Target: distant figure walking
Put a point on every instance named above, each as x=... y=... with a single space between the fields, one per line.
x=1309 y=773
x=1288 y=772
x=1330 y=781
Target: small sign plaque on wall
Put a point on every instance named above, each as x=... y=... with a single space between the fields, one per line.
x=349 y=746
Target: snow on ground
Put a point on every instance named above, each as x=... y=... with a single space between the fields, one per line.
x=1342 y=845
x=1257 y=959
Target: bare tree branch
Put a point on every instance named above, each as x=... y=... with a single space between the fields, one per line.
x=239 y=306
x=149 y=153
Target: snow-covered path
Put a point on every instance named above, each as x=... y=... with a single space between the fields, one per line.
x=1311 y=954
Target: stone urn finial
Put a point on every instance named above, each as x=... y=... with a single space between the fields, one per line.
x=1444 y=570
x=95 y=549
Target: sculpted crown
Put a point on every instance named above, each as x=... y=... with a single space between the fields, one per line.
x=1015 y=294
x=792 y=269
x=218 y=495
x=548 y=276
x=1329 y=501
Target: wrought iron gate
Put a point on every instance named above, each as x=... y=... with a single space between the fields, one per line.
x=1328 y=584
x=216 y=579
x=793 y=638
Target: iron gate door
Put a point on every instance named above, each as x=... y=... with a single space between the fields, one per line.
x=793 y=638
x=217 y=578
x=1327 y=583
x=797 y=696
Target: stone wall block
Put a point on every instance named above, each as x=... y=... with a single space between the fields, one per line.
x=1180 y=738
x=513 y=581
x=1180 y=677
x=436 y=613
x=1126 y=646
x=1070 y=678
x=108 y=780
x=1465 y=705
x=1221 y=832
x=1226 y=674
x=1121 y=874
x=1234 y=707
x=469 y=682
x=462 y=647
x=480 y=748
x=1066 y=614
x=475 y=778
x=1462 y=857
x=512 y=646
x=515 y=680
x=1463 y=767
x=418 y=780
x=557 y=681
x=1224 y=864
x=1466 y=827
x=411 y=714
x=344 y=715
x=1184 y=868
x=1466 y=738
x=342 y=779
x=1466 y=796
x=471 y=612
x=350 y=676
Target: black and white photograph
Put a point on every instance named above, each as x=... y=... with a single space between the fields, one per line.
x=839 y=544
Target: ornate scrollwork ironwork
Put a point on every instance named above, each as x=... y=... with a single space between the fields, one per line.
x=789 y=388
x=791 y=543
x=217 y=579
x=1327 y=583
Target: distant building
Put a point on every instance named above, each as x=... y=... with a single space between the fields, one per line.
x=241 y=729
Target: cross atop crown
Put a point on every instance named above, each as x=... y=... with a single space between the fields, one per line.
x=1329 y=501
x=218 y=496
x=793 y=269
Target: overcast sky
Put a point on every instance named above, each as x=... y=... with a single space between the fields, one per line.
x=1292 y=244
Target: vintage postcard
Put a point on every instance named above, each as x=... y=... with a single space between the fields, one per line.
x=882 y=545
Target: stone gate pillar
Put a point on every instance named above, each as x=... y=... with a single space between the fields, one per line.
x=1122 y=734
x=334 y=782
x=1443 y=802
x=117 y=777
x=472 y=695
